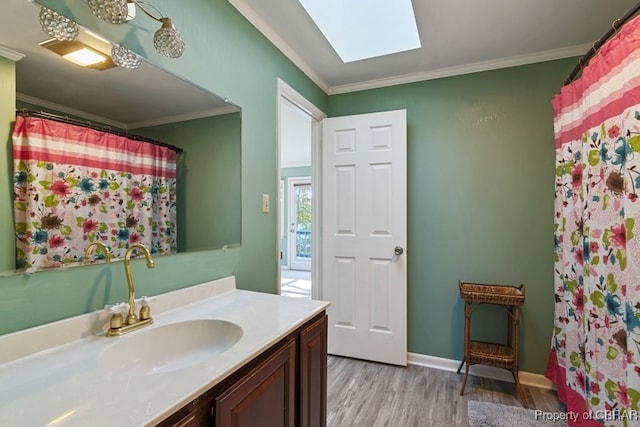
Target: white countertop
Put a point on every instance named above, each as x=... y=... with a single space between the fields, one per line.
x=64 y=385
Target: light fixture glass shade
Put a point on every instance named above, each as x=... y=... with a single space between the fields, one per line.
x=112 y=11
x=167 y=40
x=58 y=26
x=125 y=58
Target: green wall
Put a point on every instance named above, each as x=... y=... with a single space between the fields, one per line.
x=209 y=179
x=480 y=182
x=480 y=199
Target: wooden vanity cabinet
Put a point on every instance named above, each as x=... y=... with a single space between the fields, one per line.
x=312 y=376
x=284 y=386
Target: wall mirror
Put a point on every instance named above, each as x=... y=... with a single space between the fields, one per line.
x=146 y=101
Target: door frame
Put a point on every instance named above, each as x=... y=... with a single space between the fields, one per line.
x=283 y=90
x=291 y=235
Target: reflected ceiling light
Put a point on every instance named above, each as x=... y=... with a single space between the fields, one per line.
x=90 y=51
x=79 y=53
x=58 y=26
x=85 y=57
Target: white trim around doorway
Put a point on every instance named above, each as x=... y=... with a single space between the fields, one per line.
x=317 y=115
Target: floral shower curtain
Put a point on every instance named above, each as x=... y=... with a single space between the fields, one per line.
x=595 y=355
x=74 y=186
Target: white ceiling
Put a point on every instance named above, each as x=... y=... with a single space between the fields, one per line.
x=458 y=37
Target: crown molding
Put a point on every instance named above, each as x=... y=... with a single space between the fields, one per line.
x=126 y=126
x=10 y=54
x=185 y=117
x=513 y=61
x=477 y=67
x=68 y=110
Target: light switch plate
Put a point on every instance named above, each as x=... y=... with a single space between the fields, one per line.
x=265 y=203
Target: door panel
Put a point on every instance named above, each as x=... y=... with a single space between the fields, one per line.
x=363 y=220
x=345 y=292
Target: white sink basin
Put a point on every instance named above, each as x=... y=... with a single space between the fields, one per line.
x=169 y=347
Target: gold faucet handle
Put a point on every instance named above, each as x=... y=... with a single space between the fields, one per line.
x=145 y=310
x=144 y=300
x=117 y=310
x=116 y=321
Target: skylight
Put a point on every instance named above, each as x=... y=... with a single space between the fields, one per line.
x=361 y=29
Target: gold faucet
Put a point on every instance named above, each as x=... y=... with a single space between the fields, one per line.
x=118 y=325
x=99 y=247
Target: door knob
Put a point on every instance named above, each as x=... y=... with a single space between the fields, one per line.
x=398 y=250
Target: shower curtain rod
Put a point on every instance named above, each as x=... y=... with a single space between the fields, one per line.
x=582 y=62
x=94 y=126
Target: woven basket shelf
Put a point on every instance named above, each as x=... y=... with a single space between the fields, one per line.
x=489 y=353
x=492 y=294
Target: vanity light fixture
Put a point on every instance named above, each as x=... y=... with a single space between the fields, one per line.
x=58 y=26
x=167 y=40
x=125 y=58
x=112 y=11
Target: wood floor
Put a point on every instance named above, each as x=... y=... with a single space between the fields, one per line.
x=368 y=394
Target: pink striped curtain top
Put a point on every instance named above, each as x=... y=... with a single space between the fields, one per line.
x=609 y=85
x=62 y=143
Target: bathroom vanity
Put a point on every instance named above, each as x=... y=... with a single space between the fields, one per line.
x=214 y=355
x=284 y=386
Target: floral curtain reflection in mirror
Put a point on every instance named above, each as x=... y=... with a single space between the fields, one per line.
x=74 y=186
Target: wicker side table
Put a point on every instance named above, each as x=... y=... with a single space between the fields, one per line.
x=487 y=353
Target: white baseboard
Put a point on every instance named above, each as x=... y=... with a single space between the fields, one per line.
x=526 y=378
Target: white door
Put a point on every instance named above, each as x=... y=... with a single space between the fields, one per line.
x=300 y=205
x=364 y=234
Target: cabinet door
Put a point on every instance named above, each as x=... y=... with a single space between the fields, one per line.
x=264 y=397
x=313 y=374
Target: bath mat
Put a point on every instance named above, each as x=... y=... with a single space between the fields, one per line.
x=486 y=414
